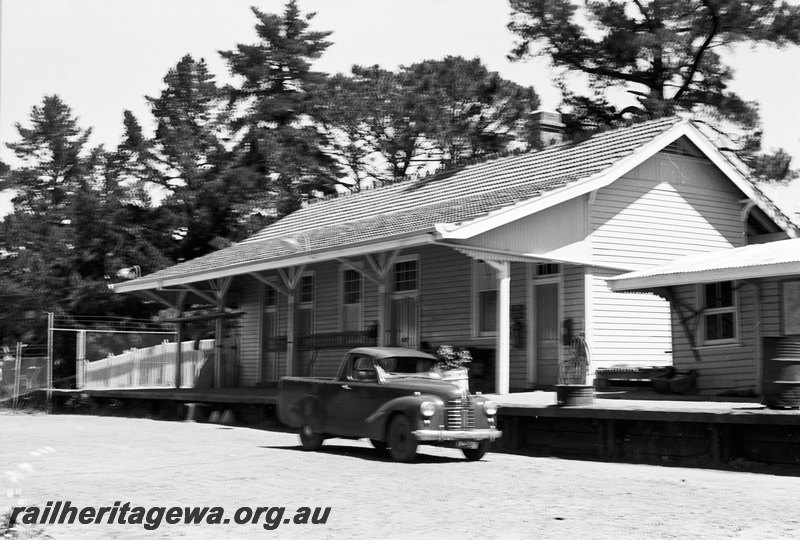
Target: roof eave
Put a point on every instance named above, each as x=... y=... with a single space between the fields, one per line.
x=361 y=248
x=654 y=281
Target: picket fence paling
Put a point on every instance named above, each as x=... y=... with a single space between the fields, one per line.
x=151 y=367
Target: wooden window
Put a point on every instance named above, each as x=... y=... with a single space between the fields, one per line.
x=351 y=287
x=307 y=289
x=548 y=269
x=305 y=316
x=351 y=300
x=484 y=283
x=719 y=313
x=270 y=297
x=405 y=276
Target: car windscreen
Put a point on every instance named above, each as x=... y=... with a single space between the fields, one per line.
x=406 y=365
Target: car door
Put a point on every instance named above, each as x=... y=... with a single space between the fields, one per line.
x=358 y=396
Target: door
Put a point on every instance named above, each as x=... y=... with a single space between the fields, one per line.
x=357 y=397
x=305 y=327
x=269 y=351
x=405 y=327
x=546 y=324
x=304 y=324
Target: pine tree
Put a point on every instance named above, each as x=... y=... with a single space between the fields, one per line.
x=205 y=202
x=391 y=124
x=274 y=108
x=667 y=55
x=65 y=237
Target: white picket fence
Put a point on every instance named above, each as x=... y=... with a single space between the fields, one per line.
x=152 y=367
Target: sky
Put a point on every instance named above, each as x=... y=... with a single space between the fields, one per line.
x=103 y=56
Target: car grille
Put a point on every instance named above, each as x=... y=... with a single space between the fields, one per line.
x=460 y=413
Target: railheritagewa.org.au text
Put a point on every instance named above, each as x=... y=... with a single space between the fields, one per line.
x=153 y=517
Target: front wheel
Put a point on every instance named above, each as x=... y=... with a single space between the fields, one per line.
x=402 y=445
x=310 y=439
x=474 y=454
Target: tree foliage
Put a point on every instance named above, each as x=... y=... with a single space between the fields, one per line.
x=50 y=153
x=70 y=228
x=433 y=111
x=667 y=54
x=203 y=197
x=227 y=160
x=273 y=108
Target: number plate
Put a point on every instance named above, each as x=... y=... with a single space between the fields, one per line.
x=467 y=444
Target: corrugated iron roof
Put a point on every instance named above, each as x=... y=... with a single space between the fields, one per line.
x=780 y=258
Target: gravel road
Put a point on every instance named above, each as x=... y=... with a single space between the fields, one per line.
x=97 y=461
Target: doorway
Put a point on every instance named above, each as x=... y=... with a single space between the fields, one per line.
x=269 y=347
x=305 y=323
x=546 y=317
x=404 y=329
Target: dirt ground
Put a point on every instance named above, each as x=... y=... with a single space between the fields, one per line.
x=96 y=461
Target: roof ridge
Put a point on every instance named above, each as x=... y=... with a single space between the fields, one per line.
x=450 y=165
x=442 y=168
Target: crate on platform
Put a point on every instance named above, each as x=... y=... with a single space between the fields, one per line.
x=678 y=382
x=627 y=375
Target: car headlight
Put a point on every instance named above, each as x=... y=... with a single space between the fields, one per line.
x=426 y=409
x=490 y=408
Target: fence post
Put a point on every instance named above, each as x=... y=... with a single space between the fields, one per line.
x=80 y=359
x=17 y=369
x=178 y=354
x=49 y=369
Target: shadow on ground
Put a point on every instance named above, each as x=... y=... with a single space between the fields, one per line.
x=369 y=454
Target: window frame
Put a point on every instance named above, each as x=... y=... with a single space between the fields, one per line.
x=705 y=312
x=551 y=270
x=406 y=292
x=307 y=303
x=477 y=306
x=342 y=273
x=270 y=292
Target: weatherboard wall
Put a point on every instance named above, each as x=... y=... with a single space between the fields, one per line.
x=772 y=305
x=730 y=367
x=669 y=206
x=444 y=303
x=574 y=308
x=557 y=232
x=734 y=366
x=249 y=330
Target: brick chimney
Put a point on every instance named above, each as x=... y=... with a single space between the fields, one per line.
x=547 y=128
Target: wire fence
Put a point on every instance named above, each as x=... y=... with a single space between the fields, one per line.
x=118 y=352
x=21 y=375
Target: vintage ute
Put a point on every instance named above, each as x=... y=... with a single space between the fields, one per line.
x=397 y=398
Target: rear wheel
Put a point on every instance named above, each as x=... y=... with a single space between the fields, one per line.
x=310 y=439
x=474 y=454
x=402 y=445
